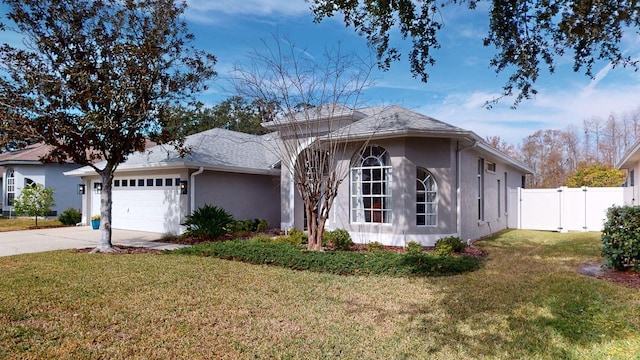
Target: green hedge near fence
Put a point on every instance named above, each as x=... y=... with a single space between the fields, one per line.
x=621 y=238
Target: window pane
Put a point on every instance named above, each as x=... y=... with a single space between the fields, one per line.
x=125 y=183
x=420 y=208
x=158 y=182
x=149 y=182
x=420 y=220
x=140 y=182
x=116 y=183
x=168 y=182
x=132 y=182
x=420 y=197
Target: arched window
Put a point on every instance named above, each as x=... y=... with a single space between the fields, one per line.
x=11 y=186
x=28 y=182
x=426 y=199
x=371 y=186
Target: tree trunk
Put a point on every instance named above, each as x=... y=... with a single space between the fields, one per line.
x=106 y=200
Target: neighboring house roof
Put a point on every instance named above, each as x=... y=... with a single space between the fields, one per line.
x=630 y=158
x=28 y=155
x=214 y=149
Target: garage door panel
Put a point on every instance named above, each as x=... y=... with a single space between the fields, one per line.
x=155 y=210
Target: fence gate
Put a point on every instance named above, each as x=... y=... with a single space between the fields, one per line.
x=566 y=209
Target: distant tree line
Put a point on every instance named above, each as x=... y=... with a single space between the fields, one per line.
x=557 y=155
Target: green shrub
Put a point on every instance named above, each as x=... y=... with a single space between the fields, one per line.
x=208 y=222
x=341 y=239
x=291 y=240
x=335 y=262
x=70 y=216
x=413 y=248
x=262 y=239
x=374 y=247
x=297 y=236
x=327 y=238
x=448 y=245
x=621 y=237
x=262 y=225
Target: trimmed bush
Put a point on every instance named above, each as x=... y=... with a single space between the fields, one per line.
x=449 y=245
x=335 y=262
x=208 y=222
x=413 y=248
x=297 y=236
x=374 y=247
x=341 y=239
x=70 y=216
x=621 y=237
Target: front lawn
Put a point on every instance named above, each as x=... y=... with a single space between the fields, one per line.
x=24 y=223
x=526 y=301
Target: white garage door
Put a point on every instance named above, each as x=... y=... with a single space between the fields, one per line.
x=147 y=204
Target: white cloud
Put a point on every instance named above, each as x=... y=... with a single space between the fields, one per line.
x=549 y=110
x=207 y=11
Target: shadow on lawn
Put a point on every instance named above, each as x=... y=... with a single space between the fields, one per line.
x=548 y=314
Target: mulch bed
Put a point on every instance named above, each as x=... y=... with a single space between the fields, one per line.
x=629 y=278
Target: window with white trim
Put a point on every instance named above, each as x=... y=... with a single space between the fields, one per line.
x=371 y=186
x=11 y=186
x=480 y=197
x=426 y=199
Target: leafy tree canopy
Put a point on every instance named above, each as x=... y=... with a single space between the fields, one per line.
x=596 y=175
x=234 y=113
x=96 y=77
x=527 y=34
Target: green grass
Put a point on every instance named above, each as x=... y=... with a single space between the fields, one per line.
x=526 y=301
x=23 y=223
x=336 y=262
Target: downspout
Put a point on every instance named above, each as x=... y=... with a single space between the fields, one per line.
x=458 y=181
x=192 y=201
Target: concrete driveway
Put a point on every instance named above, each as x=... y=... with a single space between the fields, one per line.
x=78 y=237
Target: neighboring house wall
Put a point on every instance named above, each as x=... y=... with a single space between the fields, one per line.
x=631 y=185
x=49 y=175
x=245 y=196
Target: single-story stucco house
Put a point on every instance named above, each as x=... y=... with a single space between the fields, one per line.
x=24 y=167
x=417 y=179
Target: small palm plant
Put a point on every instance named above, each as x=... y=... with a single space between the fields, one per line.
x=208 y=222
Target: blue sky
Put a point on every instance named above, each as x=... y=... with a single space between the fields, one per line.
x=460 y=82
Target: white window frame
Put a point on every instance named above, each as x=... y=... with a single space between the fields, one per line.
x=426 y=198
x=480 y=196
x=11 y=186
x=371 y=186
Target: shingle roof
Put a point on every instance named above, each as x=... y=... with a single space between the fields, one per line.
x=213 y=149
x=30 y=154
x=397 y=121
x=216 y=148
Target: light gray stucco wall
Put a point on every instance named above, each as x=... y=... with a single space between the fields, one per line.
x=245 y=196
x=406 y=154
x=472 y=228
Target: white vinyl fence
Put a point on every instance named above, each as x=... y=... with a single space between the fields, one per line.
x=565 y=209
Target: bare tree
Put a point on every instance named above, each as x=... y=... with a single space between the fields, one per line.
x=96 y=78
x=310 y=102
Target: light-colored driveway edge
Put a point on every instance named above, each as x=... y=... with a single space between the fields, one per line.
x=30 y=241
